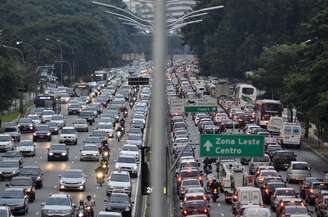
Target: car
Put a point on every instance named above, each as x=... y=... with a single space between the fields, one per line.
x=314 y=190
x=74 y=108
x=322 y=207
x=68 y=135
x=189 y=172
x=288 y=201
x=58 y=205
x=135 y=139
x=27 y=148
x=35 y=173
x=58 y=152
x=15 y=199
x=132 y=150
x=258 y=161
x=293 y=210
x=95 y=140
x=281 y=193
x=5 y=211
x=256 y=211
x=246 y=196
x=25 y=125
x=81 y=125
x=54 y=129
x=264 y=173
x=106 y=127
x=59 y=120
x=87 y=115
x=194 y=207
x=42 y=132
x=109 y=214
x=195 y=196
x=72 y=179
x=127 y=163
x=89 y=152
x=119 y=202
x=46 y=115
x=13 y=131
x=6 y=142
x=26 y=183
x=305 y=185
x=281 y=159
x=297 y=171
x=188 y=183
x=8 y=169
x=119 y=181
x=268 y=190
x=13 y=156
x=35 y=119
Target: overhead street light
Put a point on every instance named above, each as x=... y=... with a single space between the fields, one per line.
x=123 y=17
x=185 y=24
x=18 y=43
x=185 y=18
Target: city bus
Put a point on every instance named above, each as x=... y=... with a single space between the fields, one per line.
x=267 y=108
x=245 y=94
x=45 y=101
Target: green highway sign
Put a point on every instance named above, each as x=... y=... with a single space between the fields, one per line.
x=199 y=109
x=231 y=145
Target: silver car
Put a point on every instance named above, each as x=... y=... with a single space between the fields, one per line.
x=73 y=179
x=297 y=171
x=58 y=205
x=119 y=181
x=89 y=152
x=127 y=163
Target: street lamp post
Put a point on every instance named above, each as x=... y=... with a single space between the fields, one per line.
x=61 y=60
x=73 y=58
x=18 y=43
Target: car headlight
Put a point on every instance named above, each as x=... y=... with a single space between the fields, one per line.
x=135 y=168
x=28 y=189
x=38 y=178
x=34 y=134
x=14 y=171
x=63 y=154
x=51 y=153
x=127 y=209
x=117 y=166
x=48 y=134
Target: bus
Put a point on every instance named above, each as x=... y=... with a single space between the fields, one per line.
x=267 y=108
x=100 y=75
x=45 y=101
x=245 y=94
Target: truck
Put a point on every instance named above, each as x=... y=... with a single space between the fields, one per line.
x=221 y=88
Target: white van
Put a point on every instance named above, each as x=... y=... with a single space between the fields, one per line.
x=244 y=196
x=290 y=135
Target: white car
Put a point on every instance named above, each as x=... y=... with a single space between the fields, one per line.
x=46 y=115
x=89 y=153
x=135 y=139
x=127 y=163
x=35 y=119
x=68 y=135
x=59 y=120
x=106 y=127
x=27 y=148
x=119 y=181
x=129 y=149
x=6 y=142
x=73 y=179
x=81 y=125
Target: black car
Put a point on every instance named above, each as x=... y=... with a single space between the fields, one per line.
x=26 y=183
x=25 y=125
x=34 y=172
x=58 y=152
x=88 y=115
x=282 y=158
x=42 y=132
x=15 y=199
x=119 y=202
x=54 y=129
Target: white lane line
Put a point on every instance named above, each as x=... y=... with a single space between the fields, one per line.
x=37 y=213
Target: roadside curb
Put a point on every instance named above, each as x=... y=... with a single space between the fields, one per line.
x=13 y=122
x=313 y=150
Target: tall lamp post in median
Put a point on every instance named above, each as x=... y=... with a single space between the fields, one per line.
x=18 y=43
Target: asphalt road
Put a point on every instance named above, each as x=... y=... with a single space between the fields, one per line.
x=221 y=208
x=52 y=170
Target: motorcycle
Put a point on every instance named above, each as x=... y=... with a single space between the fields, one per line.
x=118 y=135
x=105 y=155
x=89 y=211
x=131 y=104
x=215 y=194
x=207 y=169
x=100 y=177
x=125 y=113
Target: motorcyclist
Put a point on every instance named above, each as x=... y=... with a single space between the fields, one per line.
x=89 y=202
x=214 y=185
x=207 y=161
x=80 y=209
x=105 y=152
x=222 y=128
x=122 y=122
x=104 y=163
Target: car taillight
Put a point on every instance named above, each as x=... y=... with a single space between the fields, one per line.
x=185 y=212
x=266 y=190
x=311 y=191
x=199 y=178
x=205 y=210
x=179 y=179
x=215 y=190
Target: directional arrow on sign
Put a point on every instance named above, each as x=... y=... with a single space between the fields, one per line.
x=208 y=145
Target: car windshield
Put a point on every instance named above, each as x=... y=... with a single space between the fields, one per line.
x=106 y=126
x=131 y=160
x=262 y=159
x=285 y=192
x=58 y=147
x=273 y=186
x=12 y=154
x=68 y=131
x=119 y=198
x=57 y=117
x=190 y=182
x=29 y=171
x=195 y=205
x=92 y=140
x=295 y=210
x=269 y=173
x=248 y=91
x=26 y=143
x=192 y=173
x=134 y=137
x=130 y=148
x=72 y=174
x=58 y=201
x=25 y=120
x=5 y=138
x=6 y=164
x=42 y=128
x=90 y=148
x=300 y=166
x=321 y=186
x=119 y=178
x=21 y=182
x=256 y=212
x=48 y=113
x=81 y=121
x=12 y=194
